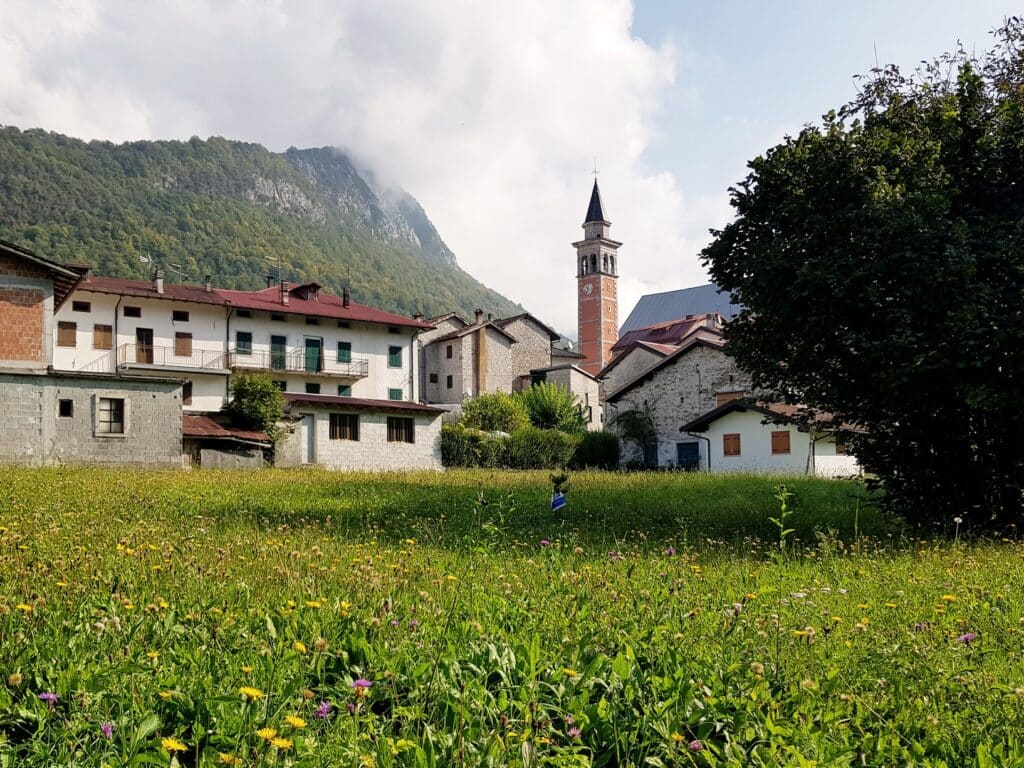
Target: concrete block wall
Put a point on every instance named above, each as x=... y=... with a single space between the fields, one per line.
x=36 y=435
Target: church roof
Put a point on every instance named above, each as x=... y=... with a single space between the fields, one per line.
x=657 y=308
x=594 y=211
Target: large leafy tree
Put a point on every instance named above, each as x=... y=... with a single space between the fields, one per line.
x=880 y=261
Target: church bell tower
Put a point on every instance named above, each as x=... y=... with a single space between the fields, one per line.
x=597 y=287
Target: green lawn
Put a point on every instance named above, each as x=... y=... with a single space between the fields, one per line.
x=652 y=622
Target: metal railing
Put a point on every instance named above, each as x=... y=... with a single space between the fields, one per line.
x=129 y=355
x=299 y=360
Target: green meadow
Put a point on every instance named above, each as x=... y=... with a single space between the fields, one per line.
x=307 y=618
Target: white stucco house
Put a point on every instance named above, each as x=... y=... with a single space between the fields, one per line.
x=745 y=436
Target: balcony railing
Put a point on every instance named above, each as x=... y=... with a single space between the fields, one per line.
x=134 y=355
x=308 y=361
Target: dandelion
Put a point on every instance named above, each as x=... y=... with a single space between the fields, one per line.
x=171 y=744
x=295 y=721
x=695 y=746
x=677 y=737
x=948 y=598
x=757 y=668
x=252 y=694
x=107 y=729
x=247 y=670
x=361 y=686
x=281 y=743
x=569 y=672
x=226 y=758
x=300 y=647
x=25 y=607
x=967 y=638
x=266 y=733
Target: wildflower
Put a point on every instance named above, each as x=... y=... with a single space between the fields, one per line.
x=24 y=607
x=670 y=552
x=574 y=732
x=413 y=623
x=251 y=693
x=320 y=645
x=577 y=550
x=300 y=647
x=14 y=679
x=281 y=743
x=247 y=670
x=50 y=698
x=569 y=672
x=545 y=543
x=295 y=722
x=226 y=758
x=920 y=626
x=967 y=638
x=677 y=737
x=266 y=733
x=154 y=655
x=313 y=604
x=361 y=686
x=757 y=668
x=107 y=729
x=166 y=694
x=695 y=746
x=958 y=520
x=171 y=744
x=948 y=598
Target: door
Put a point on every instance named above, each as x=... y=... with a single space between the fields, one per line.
x=144 y=345
x=314 y=355
x=650 y=455
x=688 y=456
x=307 y=433
x=277 y=352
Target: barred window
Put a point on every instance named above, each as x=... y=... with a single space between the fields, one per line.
x=344 y=426
x=110 y=416
x=401 y=429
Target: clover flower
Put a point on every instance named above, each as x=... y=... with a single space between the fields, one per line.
x=695 y=746
x=107 y=729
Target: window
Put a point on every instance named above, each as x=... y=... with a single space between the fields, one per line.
x=392 y=329
x=179 y=316
x=401 y=429
x=840 y=448
x=81 y=306
x=282 y=385
x=102 y=337
x=110 y=416
x=394 y=357
x=448 y=352
x=65 y=408
x=344 y=426
x=244 y=313
x=243 y=343
x=448 y=381
x=133 y=311
x=780 y=442
x=67 y=334
x=312 y=389
x=433 y=378
x=394 y=394
x=186 y=393
x=183 y=344
x=312 y=321
x=277 y=317
x=344 y=390
x=344 y=351
x=344 y=324
x=731 y=444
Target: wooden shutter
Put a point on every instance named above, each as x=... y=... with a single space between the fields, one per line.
x=67 y=334
x=780 y=442
x=183 y=344
x=731 y=444
x=102 y=337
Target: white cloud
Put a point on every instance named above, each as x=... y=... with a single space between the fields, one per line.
x=490 y=114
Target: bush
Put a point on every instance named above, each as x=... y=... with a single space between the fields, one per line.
x=256 y=403
x=495 y=412
x=597 y=450
x=533 y=448
x=461 y=447
x=551 y=406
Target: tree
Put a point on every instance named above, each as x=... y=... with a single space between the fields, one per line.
x=551 y=406
x=636 y=426
x=880 y=262
x=256 y=403
x=495 y=412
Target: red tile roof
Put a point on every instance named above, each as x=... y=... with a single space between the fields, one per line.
x=201 y=425
x=360 y=403
x=671 y=333
x=267 y=300
x=781 y=411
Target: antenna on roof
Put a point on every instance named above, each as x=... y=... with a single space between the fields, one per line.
x=277 y=264
x=144 y=259
x=176 y=269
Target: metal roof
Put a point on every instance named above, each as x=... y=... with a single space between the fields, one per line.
x=595 y=211
x=657 y=308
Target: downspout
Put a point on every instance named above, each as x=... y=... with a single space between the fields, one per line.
x=706 y=440
x=227 y=354
x=117 y=313
x=812 y=464
x=412 y=366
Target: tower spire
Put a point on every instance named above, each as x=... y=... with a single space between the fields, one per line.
x=595 y=211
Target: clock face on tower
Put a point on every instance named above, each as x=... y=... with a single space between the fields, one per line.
x=588 y=288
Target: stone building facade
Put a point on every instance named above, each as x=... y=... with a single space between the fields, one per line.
x=532 y=349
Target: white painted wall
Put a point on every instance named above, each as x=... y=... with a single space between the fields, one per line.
x=756 y=448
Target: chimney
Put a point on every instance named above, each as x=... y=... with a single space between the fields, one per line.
x=270 y=280
x=208 y=283
x=479 y=315
x=346 y=297
x=417 y=315
x=158 y=281
x=489 y=317
x=284 y=292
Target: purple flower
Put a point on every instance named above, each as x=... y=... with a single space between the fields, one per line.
x=574 y=732
x=569 y=719
x=671 y=551
x=695 y=746
x=413 y=623
x=967 y=638
x=108 y=729
x=395 y=622
x=49 y=697
x=545 y=543
x=351 y=708
x=361 y=687
x=323 y=711
x=613 y=555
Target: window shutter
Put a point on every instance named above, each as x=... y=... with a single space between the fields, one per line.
x=780 y=442
x=183 y=344
x=731 y=444
x=102 y=337
x=67 y=334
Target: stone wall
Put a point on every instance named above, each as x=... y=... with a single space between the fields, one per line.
x=35 y=433
x=634 y=362
x=532 y=349
x=682 y=390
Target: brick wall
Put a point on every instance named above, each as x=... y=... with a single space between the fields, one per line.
x=36 y=435
x=26 y=302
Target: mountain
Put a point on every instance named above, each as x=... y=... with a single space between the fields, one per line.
x=233 y=210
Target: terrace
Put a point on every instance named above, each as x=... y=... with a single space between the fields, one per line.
x=310 y=361
x=149 y=357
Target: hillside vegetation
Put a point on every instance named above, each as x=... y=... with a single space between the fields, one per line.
x=308 y=618
x=232 y=210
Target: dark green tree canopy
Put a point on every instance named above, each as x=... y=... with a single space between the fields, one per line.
x=880 y=261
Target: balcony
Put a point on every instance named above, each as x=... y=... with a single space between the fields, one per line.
x=309 y=362
x=147 y=357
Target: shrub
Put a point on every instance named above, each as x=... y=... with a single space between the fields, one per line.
x=534 y=448
x=551 y=406
x=461 y=447
x=495 y=412
x=597 y=450
x=256 y=403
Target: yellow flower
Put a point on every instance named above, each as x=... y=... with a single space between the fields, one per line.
x=890 y=605
x=173 y=745
x=677 y=737
x=295 y=722
x=247 y=670
x=281 y=742
x=300 y=647
x=153 y=655
x=228 y=759
x=569 y=672
x=267 y=733
x=166 y=694
x=452 y=577
x=948 y=598
x=24 y=607
x=313 y=604
x=251 y=693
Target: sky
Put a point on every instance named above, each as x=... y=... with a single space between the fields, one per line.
x=491 y=115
